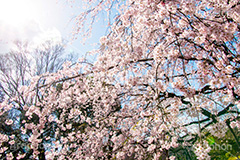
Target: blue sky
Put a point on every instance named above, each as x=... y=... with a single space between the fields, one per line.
x=32 y=20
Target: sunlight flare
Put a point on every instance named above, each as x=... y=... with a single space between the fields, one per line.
x=16 y=13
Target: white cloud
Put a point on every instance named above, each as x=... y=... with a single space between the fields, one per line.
x=31 y=32
x=9 y=33
x=29 y=20
x=52 y=35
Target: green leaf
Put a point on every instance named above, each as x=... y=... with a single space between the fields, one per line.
x=233 y=158
x=210 y=140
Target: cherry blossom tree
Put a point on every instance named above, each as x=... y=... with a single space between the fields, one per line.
x=167 y=72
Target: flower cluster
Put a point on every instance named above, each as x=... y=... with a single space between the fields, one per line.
x=201 y=150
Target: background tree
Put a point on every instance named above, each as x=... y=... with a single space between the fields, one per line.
x=15 y=68
x=48 y=57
